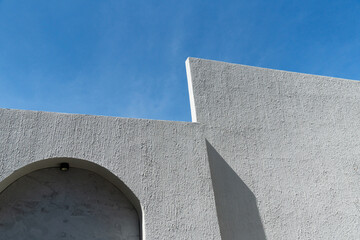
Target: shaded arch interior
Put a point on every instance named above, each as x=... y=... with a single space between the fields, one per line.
x=47 y=170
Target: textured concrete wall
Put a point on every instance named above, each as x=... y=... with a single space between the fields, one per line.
x=74 y=204
x=275 y=155
x=163 y=163
x=283 y=150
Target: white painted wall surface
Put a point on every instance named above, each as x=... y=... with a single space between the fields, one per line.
x=275 y=155
x=163 y=163
x=284 y=151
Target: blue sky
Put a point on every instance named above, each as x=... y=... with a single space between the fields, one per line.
x=126 y=58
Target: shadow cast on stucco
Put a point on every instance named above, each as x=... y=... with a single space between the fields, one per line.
x=236 y=206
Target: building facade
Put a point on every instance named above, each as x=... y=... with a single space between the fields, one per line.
x=269 y=155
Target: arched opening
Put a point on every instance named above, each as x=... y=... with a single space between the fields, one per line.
x=84 y=202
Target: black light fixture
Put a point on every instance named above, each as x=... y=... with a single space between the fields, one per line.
x=64 y=167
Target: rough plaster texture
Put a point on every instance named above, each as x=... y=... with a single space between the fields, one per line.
x=74 y=204
x=163 y=163
x=275 y=155
x=283 y=148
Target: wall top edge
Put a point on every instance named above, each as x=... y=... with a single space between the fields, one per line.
x=100 y=117
x=194 y=60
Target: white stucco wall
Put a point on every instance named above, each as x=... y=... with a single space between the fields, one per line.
x=283 y=148
x=163 y=163
x=274 y=155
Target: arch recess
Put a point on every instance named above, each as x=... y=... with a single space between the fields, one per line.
x=77 y=167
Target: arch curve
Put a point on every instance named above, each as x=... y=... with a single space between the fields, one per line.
x=77 y=166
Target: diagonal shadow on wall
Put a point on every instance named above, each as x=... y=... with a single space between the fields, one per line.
x=236 y=206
